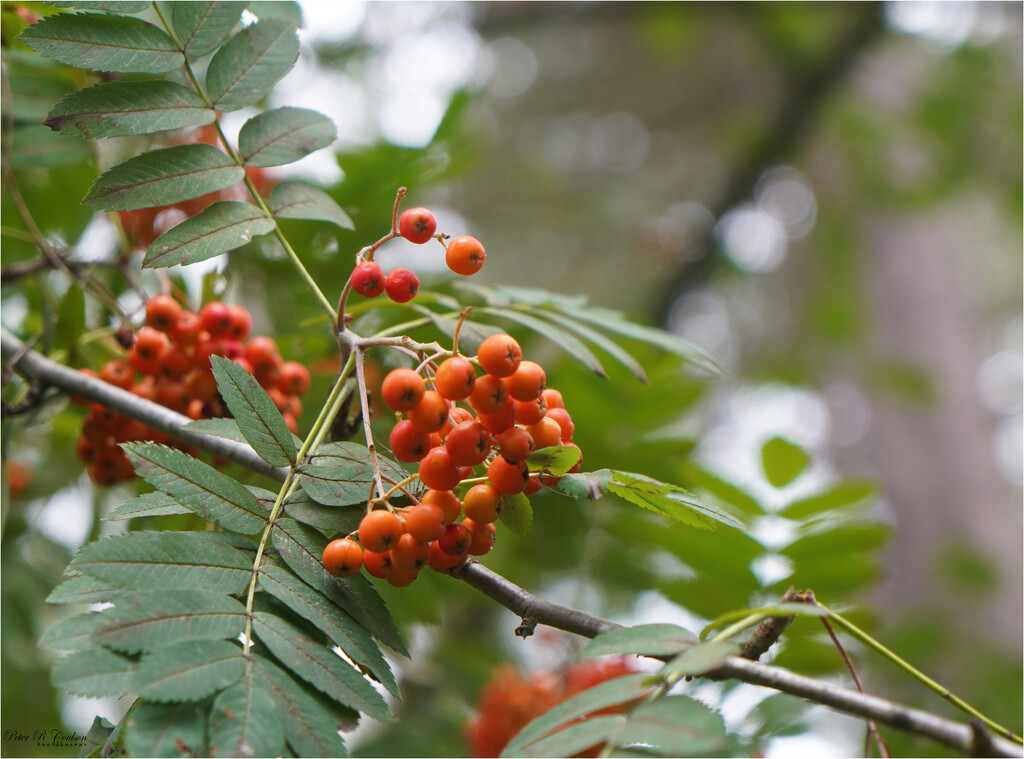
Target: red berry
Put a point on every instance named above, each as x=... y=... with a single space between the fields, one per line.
x=515 y=444
x=407 y=442
x=443 y=562
x=438 y=471
x=162 y=312
x=465 y=255
x=343 y=557
x=508 y=478
x=561 y=416
x=498 y=422
x=186 y=330
x=149 y=344
x=116 y=373
x=401 y=285
x=489 y=395
x=530 y=412
x=527 y=383
x=368 y=279
x=445 y=500
x=417 y=225
x=293 y=378
x=379 y=563
x=241 y=323
x=410 y=554
x=481 y=537
x=468 y=443
x=430 y=414
x=216 y=318
x=425 y=522
x=455 y=540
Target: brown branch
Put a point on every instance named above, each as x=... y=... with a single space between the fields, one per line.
x=969 y=739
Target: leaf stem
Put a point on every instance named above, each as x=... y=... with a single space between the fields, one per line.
x=918 y=675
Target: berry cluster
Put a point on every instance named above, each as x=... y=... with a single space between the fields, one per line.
x=146 y=224
x=464 y=255
x=510 y=701
x=172 y=355
x=510 y=414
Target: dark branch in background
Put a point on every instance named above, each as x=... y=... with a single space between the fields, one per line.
x=970 y=739
x=37 y=368
x=795 y=117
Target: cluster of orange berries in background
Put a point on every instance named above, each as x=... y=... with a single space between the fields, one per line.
x=464 y=255
x=511 y=414
x=146 y=224
x=510 y=701
x=169 y=364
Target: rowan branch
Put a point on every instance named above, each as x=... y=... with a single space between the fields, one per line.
x=972 y=739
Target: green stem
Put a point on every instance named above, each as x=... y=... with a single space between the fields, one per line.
x=918 y=675
x=17 y=234
x=289 y=251
x=738 y=627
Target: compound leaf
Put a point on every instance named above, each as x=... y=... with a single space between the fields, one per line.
x=167 y=730
x=246 y=721
x=197 y=486
x=311 y=726
x=148 y=620
x=103 y=43
x=295 y=200
x=339 y=627
x=644 y=640
x=250 y=63
x=283 y=135
x=340 y=474
x=343 y=519
x=166 y=561
x=188 y=671
x=318 y=665
x=201 y=27
x=218 y=228
x=95 y=672
x=83 y=589
x=258 y=419
x=164 y=177
x=115 y=109
x=673 y=726
x=516 y=513
x=146 y=505
x=73 y=633
x=302 y=549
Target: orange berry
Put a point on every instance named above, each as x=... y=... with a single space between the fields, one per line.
x=162 y=313
x=565 y=422
x=481 y=536
x=117 y=373
x=468 y=443
x=410 y=554
x=442 y=562
x=379 y=530
x=455 y=540
x=426 y=521
x=293 y=378
x=438 y=471
x=482 y=503
x=490 y=395
x=499 y=355
x=454 y=379
x=379 y=564
x=465 y=255
x=431 y=413
x=417 y=225
x=545 y=433
x=506 y=477
x=515 y=444
x=552 y=398
x=527 y=382
x=445 y=500
x=530 y=412
x=402 y=389
x=343 y=557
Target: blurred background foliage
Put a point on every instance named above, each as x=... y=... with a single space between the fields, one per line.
x=826 y=198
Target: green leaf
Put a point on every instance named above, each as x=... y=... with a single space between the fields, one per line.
x=668 y=500
x=644 y=640
x=167 y=730
x=164 y=177
x=201 y=26
x=311 y=725
x=246 y=721
x=98 y=734
x=288 y=10
x=340 y=474
x=782 y=461
x=83 y=589
x=257 y=416
x=778 y=610
x=37 y=147
x=590 y=485
x=516 y=513
x=94 y=672
x=73 y=633
x=103 y=43
x=833 y=541
x=148 y=620
x=121 y=6
x=842 y=495
x=218 y=228
x=700 y=659
x=599 y=339
x=294 y=200
x=338 y=626
x=674 y=726
x=197 y=486
x=302 y=549
x=166 y=561
x=724 y=491
x=250 y=63
x=217 y=427
x=565 y=340
x=318 y=665
x=284 y=135
x=116 y=109
x=613 y=321
x=619 y=690
x=146 y=505
x=555 y=460
x=188 y=671
x=334 y=519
